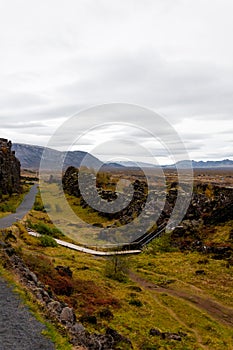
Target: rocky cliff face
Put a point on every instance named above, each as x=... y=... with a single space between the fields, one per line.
x=9 y=169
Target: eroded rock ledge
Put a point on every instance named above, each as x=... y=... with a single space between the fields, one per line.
x=9 y=168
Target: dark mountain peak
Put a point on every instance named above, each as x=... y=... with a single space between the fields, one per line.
x=30 y=156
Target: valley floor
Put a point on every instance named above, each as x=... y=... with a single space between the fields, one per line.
x=163 y=298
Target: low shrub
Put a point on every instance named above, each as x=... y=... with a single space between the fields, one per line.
x=62 y=285
x=39 y=207
x=106 y=313
x=47 y=241
x=44 y=229
x=161 y=244
x=7 y=207
x=41 y=265
x=135 y=302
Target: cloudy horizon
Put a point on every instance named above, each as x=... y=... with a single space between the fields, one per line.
x=173 y=57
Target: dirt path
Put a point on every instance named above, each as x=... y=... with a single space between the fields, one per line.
x=186 y=327
x=216 y=310
x=19 y=330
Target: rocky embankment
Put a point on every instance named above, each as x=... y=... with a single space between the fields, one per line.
x=59 y=312
x=210 y=206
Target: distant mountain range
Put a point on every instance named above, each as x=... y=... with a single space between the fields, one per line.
x=184 y=164
x=30 y=157
x=226 y=163
x=131 y=164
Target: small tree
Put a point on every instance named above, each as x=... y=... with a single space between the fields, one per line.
x=117 y=268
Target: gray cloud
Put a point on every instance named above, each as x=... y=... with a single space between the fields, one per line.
x=31 y=125
x=171 y=56
x=20 y=100
x=144 y=79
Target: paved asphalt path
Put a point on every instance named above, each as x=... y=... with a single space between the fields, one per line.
x=22 y=209
x=19 y=330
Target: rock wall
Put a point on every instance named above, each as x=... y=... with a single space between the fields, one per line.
x=9 y=168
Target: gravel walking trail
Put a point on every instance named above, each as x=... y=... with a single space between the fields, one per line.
x=19 y=330
x=22 y=209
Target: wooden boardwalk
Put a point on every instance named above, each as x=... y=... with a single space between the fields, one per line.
x=88 y=250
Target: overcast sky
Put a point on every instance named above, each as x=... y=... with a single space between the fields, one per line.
x=172 y=56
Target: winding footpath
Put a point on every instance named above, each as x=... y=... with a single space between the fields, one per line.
x=220 y=312
x=19 y=329
x=211 y=307
x=22 y=209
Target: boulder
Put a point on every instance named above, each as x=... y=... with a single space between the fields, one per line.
x=32 y=277
x=67 y=315
x=77 y=328
x=54 y=309
x=155 y=332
